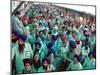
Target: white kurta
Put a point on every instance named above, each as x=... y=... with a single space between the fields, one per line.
x=19 y=57
x=17 y=24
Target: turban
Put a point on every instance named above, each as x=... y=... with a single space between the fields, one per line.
x=72 y=43
x=23 y=37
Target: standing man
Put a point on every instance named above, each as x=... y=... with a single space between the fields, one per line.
x=16 y=22
x=21 y=51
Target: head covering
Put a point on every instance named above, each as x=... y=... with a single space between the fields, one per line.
x=72 y=43
x=54 y=37
x=56 y=27
x=59 y=35
x=35 y=20
x=68 y=32
x=64 y=39
x=51 y=51
x=38 y=36
x=43 y=38
x=74 y=31
x=77 y=40
x=37 y=17
x=16 y=32
x=46 y=59
x=93 y=31
x=27 y=61
x=38 y=43
x=50 y=44
x=23 y=37
x=91 y=53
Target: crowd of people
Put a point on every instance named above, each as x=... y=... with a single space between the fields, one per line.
x=50 y=40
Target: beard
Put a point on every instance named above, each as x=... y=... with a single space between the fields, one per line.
x=14 y=40
x=21 y=47
x=45 y=67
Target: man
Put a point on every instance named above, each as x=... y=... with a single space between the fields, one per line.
x=84 y=37
x=51 y=55
x=72 y=49
x=43 y=21
x=21 y=51
x=14 y=41
x=89 y=62
x=16 y=22
x=14 y=38
x=28 y=66
x=92 y=40
x=75 y=65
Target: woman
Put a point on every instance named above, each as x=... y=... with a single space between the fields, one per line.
x=36 y=60
x=38 y=47
x=46 y=66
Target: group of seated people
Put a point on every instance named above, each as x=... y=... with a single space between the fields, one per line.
x=43 y=42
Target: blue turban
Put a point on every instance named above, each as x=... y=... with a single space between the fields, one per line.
x=72 y=43
x=38 y=36
x=38 y=43
x=54 y=37
x=47 y=59
x=16 y=32
x=51 y=51
x=68 y=32
x=50 y=44
x=59 y=35
x=23 y=37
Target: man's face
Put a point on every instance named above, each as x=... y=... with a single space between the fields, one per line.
x=37 y=47
x=91 y=56
x=45 y=31
x=14 y=38
x=27 y=67
x=73 y=34
x=45 y=63
x=20 y=42
x=72 y=49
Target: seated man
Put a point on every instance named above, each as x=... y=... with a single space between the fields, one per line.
x=89 y=62
x=75 y=65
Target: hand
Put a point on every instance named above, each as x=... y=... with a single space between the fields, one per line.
x=48 y=69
